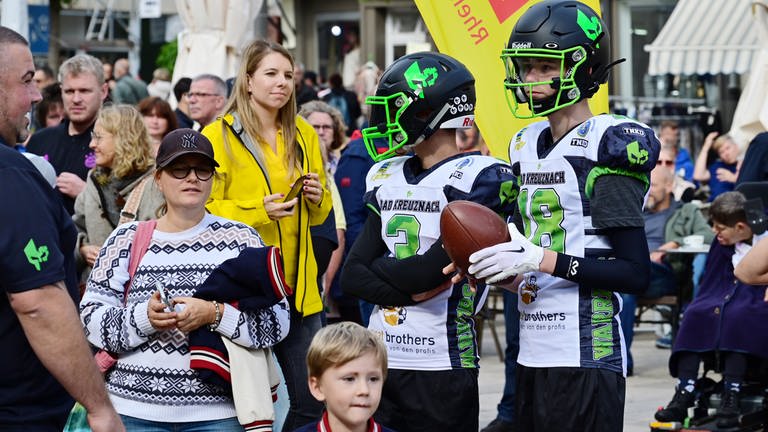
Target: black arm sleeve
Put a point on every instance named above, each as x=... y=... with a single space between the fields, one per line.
x=415 y=274
x=629 y=271
x=617 y=202
x=357 y=277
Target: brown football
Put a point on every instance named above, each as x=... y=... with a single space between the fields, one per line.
x=466 y=227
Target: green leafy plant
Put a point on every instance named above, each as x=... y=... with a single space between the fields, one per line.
x=167 y=56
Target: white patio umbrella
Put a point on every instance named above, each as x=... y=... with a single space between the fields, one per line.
x=751 y=116
x=214 y=33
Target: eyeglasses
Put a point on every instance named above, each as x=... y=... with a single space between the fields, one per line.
x=665 y=162
x=200 y=95
x=203 y=173
x=322 y=127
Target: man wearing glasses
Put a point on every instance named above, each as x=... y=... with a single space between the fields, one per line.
x=207 y=96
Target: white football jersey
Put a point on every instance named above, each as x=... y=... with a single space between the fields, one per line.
x=563 y=323
x=439 y=333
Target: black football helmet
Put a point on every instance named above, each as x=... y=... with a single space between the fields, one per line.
x=564 y=31
x=418 y=94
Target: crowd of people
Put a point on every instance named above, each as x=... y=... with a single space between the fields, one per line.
x=219 y=233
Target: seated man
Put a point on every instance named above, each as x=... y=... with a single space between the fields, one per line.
x=728 y=316
x=666 y=223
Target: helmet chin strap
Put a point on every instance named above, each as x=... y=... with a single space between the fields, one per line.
x=430 y=127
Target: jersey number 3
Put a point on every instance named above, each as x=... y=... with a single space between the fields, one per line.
x=546 y=213
x=409 y=225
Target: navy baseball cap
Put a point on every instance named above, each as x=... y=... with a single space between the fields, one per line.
x=181 y=142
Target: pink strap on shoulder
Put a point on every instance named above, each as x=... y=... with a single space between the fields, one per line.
x=140 y=245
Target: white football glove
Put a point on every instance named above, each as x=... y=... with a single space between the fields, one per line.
x=504 y=260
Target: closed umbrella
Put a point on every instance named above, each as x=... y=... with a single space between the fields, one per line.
x=751 y=116
x=214 y=33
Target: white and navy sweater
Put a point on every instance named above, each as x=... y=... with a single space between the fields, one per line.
x=152 y=379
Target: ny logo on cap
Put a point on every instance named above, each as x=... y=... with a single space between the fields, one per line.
x=188 y=141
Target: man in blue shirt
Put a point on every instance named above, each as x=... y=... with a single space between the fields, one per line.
x=47 y=354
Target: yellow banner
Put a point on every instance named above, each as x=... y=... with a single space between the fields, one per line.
x=475 y=32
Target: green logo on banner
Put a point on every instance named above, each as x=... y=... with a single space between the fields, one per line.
x=36 y=255
x=420 y=79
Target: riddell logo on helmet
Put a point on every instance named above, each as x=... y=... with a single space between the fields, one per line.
x=519 y=45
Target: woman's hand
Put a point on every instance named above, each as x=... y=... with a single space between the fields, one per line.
x=158 y=317
x=276 y=208
x=709 y=140
x=89 y=253
x=313 y=189
x=196 y=313
x=725 y=175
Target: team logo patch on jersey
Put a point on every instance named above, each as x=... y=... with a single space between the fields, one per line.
x=394 y=316
x=530 y=290
x=519 y=143
x=382 y=173
x=584 y=128
x=458 y=174
x=36 y=255
x=635 y=154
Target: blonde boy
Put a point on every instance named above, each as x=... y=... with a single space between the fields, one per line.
x=347 y=366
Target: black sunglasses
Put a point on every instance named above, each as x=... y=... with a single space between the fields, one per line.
x=203 y=173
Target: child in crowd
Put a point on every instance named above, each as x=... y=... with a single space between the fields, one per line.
x=724 y=321
x=721 y=175
x=347 y=366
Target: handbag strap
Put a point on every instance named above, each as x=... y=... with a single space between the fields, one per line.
x=131 y=207
x=140 y=245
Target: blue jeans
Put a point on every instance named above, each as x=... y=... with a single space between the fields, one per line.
x=506 y=408
x=365 y=312
x=291 y=354
x=134 y=424
x=698 y=268
x=662 y=283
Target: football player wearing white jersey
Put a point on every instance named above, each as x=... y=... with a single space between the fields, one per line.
x=425 y=320
x=579 y=240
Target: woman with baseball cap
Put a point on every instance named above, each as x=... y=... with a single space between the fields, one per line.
x=153 y=385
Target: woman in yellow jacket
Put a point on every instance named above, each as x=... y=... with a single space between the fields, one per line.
x=262 y=148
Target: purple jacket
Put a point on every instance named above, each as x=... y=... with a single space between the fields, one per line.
x=727 y=315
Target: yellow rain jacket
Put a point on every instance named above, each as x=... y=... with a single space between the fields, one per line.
x=242 y=182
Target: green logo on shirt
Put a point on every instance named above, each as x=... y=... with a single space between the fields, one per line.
x=36 y=255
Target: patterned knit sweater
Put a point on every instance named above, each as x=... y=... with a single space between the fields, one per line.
x=152 y=379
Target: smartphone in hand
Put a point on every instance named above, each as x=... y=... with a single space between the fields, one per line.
x=164 y=296
x=296 y=189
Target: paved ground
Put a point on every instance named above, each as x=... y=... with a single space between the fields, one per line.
x=650 y=387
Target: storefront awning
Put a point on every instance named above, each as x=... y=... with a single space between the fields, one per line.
x=705 y=37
